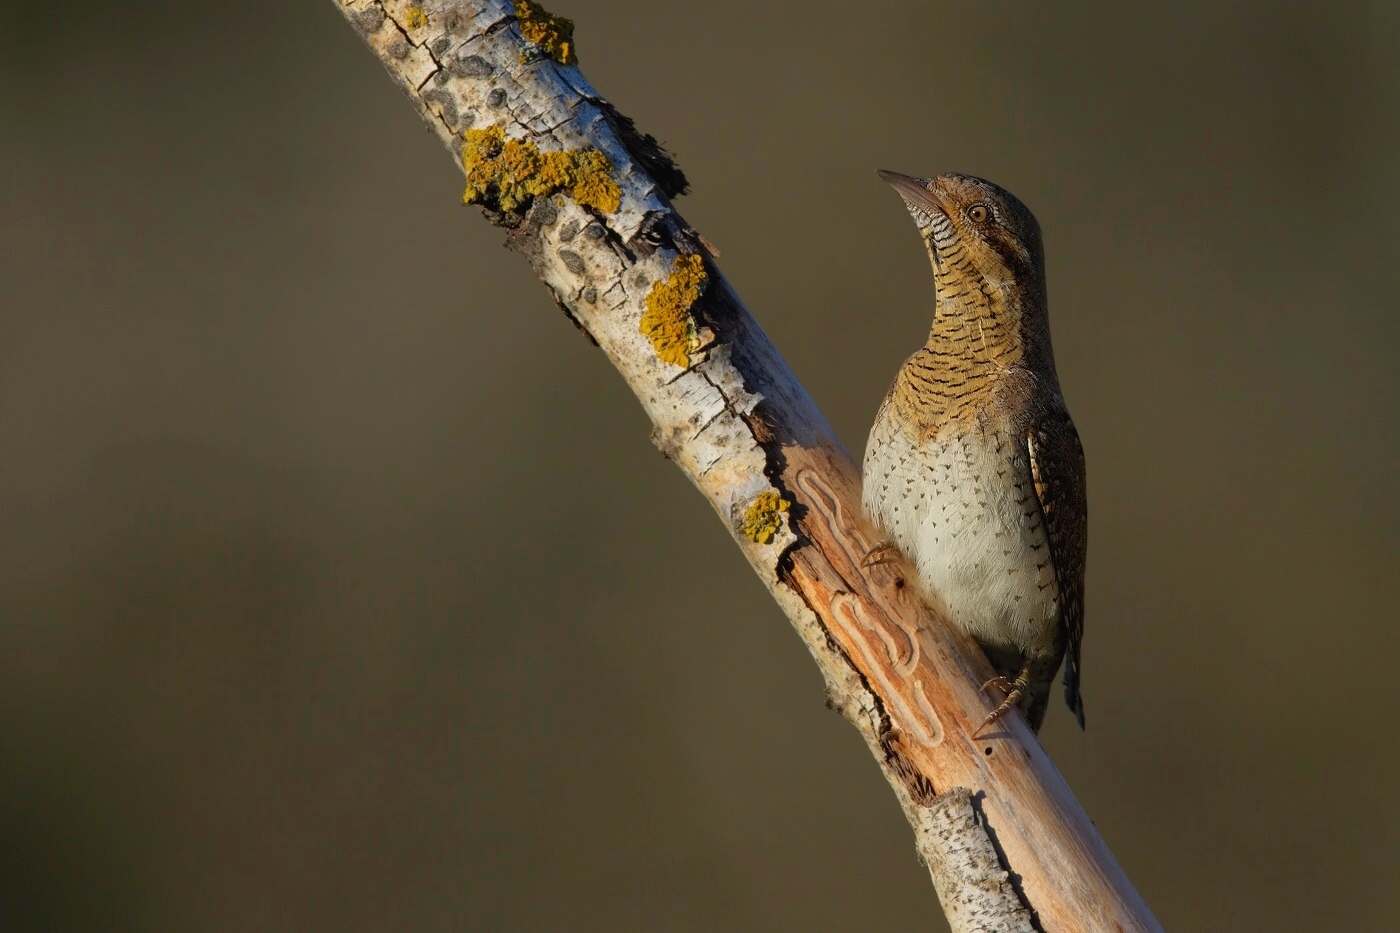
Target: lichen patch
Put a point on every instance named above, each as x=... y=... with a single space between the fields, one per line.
x=506 y=174
x=590 y=174
x=415 y=18
x=667 y=320
x=553 y=34
x=763 y=517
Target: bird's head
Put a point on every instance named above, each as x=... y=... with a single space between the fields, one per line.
x=978 y=234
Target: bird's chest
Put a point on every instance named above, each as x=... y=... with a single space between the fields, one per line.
x=962 y=507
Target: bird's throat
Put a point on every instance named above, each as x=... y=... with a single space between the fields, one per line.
x=979 y=334
x=977 y=326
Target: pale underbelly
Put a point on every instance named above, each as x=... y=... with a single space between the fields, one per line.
x=964 y=511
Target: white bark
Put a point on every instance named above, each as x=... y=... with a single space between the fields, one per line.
x=975 y=891
x=744 y=431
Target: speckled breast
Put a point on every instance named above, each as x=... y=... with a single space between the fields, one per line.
x=961 y=506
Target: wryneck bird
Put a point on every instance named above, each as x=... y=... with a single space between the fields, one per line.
x=973 y=469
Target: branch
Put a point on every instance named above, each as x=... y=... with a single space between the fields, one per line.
x=585 y=198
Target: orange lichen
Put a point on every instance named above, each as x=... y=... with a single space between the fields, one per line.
x=508 y=173
x=553 y=34
x=763 y=517
x=667 y=319
x=415 y=18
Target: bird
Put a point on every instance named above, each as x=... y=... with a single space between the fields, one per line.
x=974 y=471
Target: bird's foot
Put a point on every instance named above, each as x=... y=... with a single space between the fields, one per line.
x=1004 y=684
x=883 y=553
x=1013 y=690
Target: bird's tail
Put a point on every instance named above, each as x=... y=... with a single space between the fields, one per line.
x=1072 y=697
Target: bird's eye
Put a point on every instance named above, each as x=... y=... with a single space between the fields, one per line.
x=978 y=213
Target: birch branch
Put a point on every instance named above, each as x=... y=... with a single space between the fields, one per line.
x=585 y=198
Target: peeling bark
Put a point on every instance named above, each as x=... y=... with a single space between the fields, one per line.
x=740 y=426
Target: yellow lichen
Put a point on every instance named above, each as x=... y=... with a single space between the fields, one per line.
x=507 y=173
x=556 y=169
x=415 y=18
x=763 y=517
x=593 y=184
x=553 y=34
x=667 y=319
x=481 y=157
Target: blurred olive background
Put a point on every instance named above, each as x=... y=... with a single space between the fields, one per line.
x=340 y=587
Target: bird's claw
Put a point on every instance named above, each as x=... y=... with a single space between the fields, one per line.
x=883 y=553
x=1013 y=690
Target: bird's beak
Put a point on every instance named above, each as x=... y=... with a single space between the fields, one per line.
x=916 y=195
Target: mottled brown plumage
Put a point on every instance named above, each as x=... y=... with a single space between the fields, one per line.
x=973 y=467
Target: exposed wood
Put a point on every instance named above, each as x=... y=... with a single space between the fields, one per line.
x=731 y=415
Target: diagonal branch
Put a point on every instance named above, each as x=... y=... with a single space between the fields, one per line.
x=585 y=198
